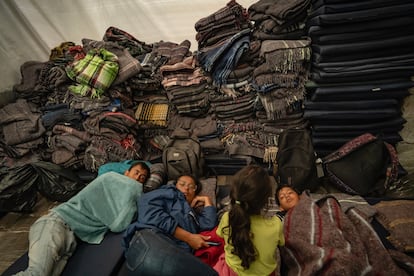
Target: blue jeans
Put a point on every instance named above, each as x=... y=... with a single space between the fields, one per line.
x=152 y=253
x=51 y=243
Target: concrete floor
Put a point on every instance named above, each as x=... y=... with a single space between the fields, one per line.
x=14 y=230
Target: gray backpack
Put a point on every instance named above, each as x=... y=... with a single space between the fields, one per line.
x=183 y=155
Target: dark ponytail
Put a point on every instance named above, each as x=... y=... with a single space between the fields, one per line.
x=249 y=194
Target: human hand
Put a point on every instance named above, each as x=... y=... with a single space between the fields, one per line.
x=197 y=241
x=201 y=201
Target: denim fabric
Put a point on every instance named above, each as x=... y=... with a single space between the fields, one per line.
x=51 y=243
x=152 y=253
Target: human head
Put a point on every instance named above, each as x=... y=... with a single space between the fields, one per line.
x=138 y=171
x=189 y=186
x=251 y=187
x=249 y=194
x=287 y=197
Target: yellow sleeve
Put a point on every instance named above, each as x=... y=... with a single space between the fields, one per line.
x=224 y=221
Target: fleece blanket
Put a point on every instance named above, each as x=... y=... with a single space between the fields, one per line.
x=321 y=239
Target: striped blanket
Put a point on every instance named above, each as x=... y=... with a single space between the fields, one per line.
x=321 y=239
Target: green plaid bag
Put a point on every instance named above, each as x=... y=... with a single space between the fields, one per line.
x=94 y=73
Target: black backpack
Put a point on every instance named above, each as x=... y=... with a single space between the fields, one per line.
x=365 y=165
x=183 y=155
x=296 y=160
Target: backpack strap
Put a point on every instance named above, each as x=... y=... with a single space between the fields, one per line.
x=392 y=170
x=349 y=147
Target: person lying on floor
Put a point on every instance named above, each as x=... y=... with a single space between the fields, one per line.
x=286 y=197
x=166 y=233
x=108 y=203
x=323 y=238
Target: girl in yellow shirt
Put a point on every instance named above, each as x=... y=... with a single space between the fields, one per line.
x=251 y=238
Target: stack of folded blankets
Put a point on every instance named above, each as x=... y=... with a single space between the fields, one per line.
x=187 y=87
x=362 y=63
x=282 y=67
x=258 y=60
x=226 y=55
x=279 y=19
x=223 y=37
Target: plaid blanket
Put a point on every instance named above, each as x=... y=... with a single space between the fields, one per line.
x=322 y=239
x=94 y=73
x=152 y=114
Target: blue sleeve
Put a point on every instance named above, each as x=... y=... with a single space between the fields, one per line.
x=154 y=210
x=208 y=218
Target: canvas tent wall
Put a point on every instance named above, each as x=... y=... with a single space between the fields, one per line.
x=29 y=29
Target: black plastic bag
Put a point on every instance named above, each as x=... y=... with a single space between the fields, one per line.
x=17 y=189
x=55 y=182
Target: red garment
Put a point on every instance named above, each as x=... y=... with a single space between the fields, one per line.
x=210 y=255
x=222 y=268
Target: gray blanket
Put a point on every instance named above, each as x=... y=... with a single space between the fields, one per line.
x=321 y=239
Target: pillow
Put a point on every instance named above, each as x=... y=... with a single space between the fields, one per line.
x=157 y=177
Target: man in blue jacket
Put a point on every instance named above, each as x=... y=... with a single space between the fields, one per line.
x=162 y=240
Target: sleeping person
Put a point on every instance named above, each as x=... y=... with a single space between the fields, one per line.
x=324 y=237
x=108 y=203
x=167 y=231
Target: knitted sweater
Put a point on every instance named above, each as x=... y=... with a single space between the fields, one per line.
x=108 y=203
